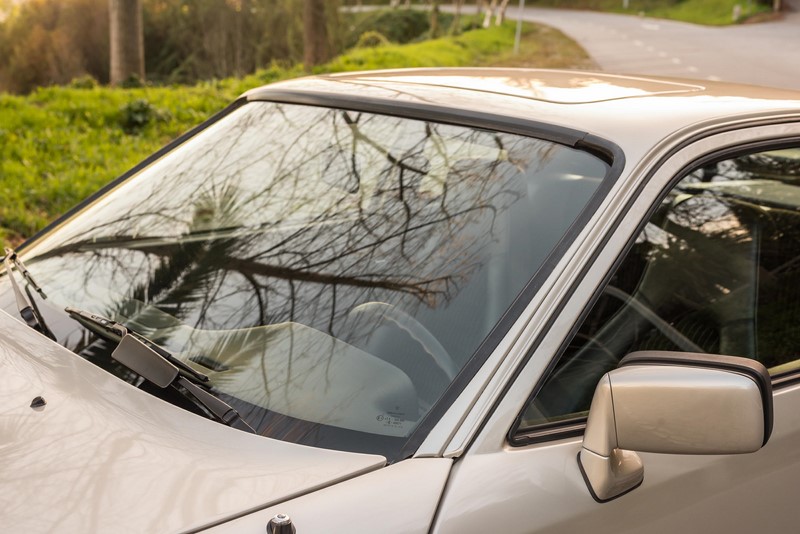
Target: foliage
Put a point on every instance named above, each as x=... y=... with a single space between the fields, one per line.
x=83 y=82
x=45 y=42
x=137 y=114
x=371 y=39
x=51 y=42
x=470 y=48
x=713 y=12
x=397 y=25
x=59 y=144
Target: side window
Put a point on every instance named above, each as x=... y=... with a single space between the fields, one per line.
x=716 y=269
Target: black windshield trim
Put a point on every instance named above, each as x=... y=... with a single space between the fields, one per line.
x=605 y=150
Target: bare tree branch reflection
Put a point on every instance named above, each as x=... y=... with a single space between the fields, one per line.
x=283 y=219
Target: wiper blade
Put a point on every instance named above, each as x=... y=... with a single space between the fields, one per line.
x=140 y=358
x=158 y=366
x=114 y=331
x=27 y=310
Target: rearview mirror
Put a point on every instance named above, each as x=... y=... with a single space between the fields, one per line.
x=675 y=403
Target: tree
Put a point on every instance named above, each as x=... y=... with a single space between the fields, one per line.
x=501 y=13
x=489 y=9
x=45 y=42
x=126 y=40
x=455 y=27
x=434 y=22
x=496 y=9
x=315 y=33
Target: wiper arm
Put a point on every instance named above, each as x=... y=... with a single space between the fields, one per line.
x=114 y=331
x=158 y=366
x=27 y=310
x=140 y=358
x=12 y=256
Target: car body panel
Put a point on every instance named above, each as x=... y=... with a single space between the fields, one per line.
x=101 y=456
x=598 y=247
x=125 y=461
x=399 y=499
x=540 y=489
x=545 y=308
x=637 y=124
x=549 y=493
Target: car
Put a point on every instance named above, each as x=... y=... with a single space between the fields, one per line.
x=425 y=300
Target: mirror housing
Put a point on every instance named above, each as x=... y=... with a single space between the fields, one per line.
x=673 y=403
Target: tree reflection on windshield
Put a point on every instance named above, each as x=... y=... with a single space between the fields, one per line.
x=400 y=239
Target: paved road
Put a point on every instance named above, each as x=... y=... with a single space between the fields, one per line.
x=763 y=54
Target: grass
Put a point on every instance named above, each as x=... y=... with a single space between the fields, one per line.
x=59 y=144
x=709 y=12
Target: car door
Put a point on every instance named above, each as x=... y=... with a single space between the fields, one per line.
x=701 y=258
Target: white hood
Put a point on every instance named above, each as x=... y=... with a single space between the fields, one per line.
x=103 y=456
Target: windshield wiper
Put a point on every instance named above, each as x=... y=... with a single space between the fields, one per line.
x=158 y=366
x=140 y=358
x=27 y=310
x=114 y=331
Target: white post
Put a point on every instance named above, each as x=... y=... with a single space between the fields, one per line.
x=518 y=35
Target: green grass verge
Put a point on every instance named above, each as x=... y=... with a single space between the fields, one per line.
x=59 y=144
x=709 y=12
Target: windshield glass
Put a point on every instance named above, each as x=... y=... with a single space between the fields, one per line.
x=331 y=271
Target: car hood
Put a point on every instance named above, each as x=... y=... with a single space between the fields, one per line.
x=103 y=456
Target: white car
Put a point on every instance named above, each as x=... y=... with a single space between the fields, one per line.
x=386 y=301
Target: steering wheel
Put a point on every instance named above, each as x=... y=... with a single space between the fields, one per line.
x=413 y=328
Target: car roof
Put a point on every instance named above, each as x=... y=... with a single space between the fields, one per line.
x=633 y=112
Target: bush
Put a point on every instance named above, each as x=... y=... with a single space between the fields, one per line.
x=83 y=82
x=371 y=39
x=135 y=115
x=396 y=25
x=132 y=82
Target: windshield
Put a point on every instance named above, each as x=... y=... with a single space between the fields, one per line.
x=331 y=271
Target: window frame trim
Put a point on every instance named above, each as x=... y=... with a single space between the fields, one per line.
x=518 y=436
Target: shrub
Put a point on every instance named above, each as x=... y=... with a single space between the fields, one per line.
x=83 y=82
x=132 y=82
x=371 y=39
x=135 y=115
x=396 y=25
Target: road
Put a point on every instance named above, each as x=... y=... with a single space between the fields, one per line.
x=763 y=54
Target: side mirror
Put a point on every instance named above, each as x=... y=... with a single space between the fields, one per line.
x=674 y=403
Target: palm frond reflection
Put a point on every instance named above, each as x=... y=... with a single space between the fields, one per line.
x=257 y=247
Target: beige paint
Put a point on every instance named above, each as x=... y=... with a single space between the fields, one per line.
x=539 y=488
x=102 y=456
x=399 y=499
